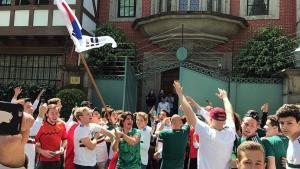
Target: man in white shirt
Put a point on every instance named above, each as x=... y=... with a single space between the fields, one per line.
x=218 y=137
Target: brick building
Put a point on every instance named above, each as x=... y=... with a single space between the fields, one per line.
x=212 y=31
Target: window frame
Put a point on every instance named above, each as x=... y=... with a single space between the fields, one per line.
x=274 y=11
x=126 y=7
x=256 y=5
x=44 y=69
x=5 y=4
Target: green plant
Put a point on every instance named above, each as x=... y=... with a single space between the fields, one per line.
x=29 y=90
x=70 y=98
x=105 y=60
x=266 y=53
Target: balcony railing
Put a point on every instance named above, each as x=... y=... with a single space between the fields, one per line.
x=165 y=6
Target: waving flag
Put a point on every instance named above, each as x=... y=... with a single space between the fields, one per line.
x=81 y=42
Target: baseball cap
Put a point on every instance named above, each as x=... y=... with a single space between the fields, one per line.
x=253 y=114
x=218 y=113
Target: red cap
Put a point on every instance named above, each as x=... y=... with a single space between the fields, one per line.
x=218 y=113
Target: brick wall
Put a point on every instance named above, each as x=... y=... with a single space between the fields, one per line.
x=287 y=19
x=133 y=35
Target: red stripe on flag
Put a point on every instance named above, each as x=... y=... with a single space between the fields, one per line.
x=72 y=18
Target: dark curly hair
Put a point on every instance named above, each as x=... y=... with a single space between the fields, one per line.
x=124 y=116
x=288 y=110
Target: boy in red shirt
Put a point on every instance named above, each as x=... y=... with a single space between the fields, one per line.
x=51 y=140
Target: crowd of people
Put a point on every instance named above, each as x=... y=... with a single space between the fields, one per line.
x=203 y=138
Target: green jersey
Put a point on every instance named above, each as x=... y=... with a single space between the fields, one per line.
x=174 y=144
x=261 y=132
x=266 y=145
x=129 y=155
x=279 y=145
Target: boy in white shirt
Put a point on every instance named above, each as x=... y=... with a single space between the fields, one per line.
x=141 y=122
x=289 y=121
x=85 y=139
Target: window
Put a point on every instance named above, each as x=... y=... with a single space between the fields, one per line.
x=43 y=69
x=189 y=5
x=23 y=2
x=5 y=2
x=42 y=2
x=214 y=5
x=195 y=5
x=257 y=7
x=32 y=2
x=126 y=8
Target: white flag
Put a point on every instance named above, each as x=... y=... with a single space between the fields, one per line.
x=82 y=42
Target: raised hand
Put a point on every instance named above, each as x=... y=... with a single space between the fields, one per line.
x=222 y=94
x=18 y=91
x=40 y=94
x=178 y=88
x=265 y=108
x=42 y=110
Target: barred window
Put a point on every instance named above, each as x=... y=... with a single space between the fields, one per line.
x=30 y=69
x=257 y=7
x=5 y=2
x=126 y=8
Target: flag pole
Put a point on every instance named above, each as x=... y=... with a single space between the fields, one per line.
x=82 y=58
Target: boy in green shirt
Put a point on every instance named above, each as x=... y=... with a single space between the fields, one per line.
x=249 y=126
x=277 y=140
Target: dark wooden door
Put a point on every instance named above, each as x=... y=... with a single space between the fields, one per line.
x=167 y=79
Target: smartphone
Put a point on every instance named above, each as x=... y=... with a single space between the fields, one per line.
x=10 y=118
x=42 y=101
x=56 y=152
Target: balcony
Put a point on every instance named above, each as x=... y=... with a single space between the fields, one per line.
x=198 y=22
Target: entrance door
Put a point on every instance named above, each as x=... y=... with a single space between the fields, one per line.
x=167 y=79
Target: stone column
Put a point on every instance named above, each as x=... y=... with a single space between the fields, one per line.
x=291 y=86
